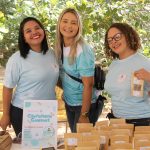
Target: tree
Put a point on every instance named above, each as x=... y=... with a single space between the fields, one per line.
x=97 y=16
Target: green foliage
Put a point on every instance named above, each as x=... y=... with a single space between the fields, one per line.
x=97 y=16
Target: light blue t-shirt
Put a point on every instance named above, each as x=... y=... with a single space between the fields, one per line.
x=33 y=78
x=83 y=66
x=118 y=85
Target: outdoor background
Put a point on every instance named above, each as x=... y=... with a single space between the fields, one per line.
x=97 y=16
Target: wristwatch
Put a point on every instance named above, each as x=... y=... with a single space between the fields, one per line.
x=84 y=114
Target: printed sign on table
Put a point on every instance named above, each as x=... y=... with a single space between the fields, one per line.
x=39 y=124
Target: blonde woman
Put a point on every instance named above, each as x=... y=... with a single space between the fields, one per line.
x=76 y=59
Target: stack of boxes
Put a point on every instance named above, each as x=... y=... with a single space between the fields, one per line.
x=113 y=134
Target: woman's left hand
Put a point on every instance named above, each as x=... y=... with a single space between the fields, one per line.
x=83 y=119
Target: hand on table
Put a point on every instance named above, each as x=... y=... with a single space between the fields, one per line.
x=4 y=122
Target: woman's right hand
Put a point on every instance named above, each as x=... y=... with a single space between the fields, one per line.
x=143 y=74
x=7 y=96
x=5 y=121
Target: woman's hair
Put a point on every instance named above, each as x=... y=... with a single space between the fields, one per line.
x=59 y=37
x=25 y=47
x=131 y=36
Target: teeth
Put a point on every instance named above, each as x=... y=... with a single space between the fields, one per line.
x=116 y=46
x=67 y=31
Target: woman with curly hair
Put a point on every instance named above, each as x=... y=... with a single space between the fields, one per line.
x=122 y=44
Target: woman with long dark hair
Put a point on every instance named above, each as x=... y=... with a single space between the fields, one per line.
x=31 y=73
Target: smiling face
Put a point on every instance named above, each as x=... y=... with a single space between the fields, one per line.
x=117 y=43
x=33 y=35
x=69 y=26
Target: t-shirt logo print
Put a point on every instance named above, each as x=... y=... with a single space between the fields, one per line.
x=122 y=78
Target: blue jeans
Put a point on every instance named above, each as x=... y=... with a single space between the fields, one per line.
x=73 y=114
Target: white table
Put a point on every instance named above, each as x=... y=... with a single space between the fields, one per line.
x=19 y=147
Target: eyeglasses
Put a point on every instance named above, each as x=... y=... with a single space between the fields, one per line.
x=116 y=37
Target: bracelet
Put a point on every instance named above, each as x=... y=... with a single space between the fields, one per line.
x=84 y=114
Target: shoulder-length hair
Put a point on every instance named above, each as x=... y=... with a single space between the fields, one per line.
x=131 y=36
x=59 y=42
x=25 y=47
